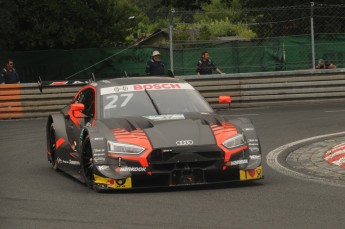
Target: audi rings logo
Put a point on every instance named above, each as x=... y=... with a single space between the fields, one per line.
x=184 y=142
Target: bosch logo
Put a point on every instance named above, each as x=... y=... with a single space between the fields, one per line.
x=184 y=142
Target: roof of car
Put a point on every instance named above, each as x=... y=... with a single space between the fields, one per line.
x=137 y=80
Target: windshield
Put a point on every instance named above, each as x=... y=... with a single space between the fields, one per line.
x=152 y=99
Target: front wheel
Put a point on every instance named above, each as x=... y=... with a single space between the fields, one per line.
x=87 y=163
x=52 y=148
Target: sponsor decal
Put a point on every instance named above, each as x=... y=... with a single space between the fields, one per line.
x=120 y=89
x=239 y=162
x=114 y=183
x=142 y=87
x=98 y=150
x=165 y=117
x=253 y=144
x=70 y=162
x=184 y=142
x=103 y=167
x=98 y=159
x=255 y=157
x=99 y=154
x=251 y=174
x=166 y=150
x=254 y=149
x=130 y=169
x=97 y=139
x=248 y=129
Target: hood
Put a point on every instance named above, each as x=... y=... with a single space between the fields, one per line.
x=169 y=130
x=180 y=133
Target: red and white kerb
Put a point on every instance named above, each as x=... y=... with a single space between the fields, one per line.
x=336 y=155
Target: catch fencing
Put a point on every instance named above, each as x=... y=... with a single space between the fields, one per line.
x=260 y=39
x=239 y=41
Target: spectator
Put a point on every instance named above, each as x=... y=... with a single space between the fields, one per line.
x=206 y=65
x=325 y=65
x=9 y=74
x=155 y=66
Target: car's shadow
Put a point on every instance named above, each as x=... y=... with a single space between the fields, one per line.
x=188 y=188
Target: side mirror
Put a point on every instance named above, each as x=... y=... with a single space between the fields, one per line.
x=224 y=99
x=77 y=109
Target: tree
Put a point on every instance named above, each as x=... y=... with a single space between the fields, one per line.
x=292 y=17
x=219 y=18
x=190 y=5
x=48 y=24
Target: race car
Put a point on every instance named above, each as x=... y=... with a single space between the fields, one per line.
x=142 y=132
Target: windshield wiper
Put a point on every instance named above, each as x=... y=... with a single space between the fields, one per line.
x=153 y=102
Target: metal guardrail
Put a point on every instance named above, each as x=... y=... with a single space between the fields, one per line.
x=273 y=88
x=246 y=90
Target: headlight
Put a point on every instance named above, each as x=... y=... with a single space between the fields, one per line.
x=235 y=141
x=124 y=148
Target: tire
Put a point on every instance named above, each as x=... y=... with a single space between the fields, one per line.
x=52 y=148
x=87 y=163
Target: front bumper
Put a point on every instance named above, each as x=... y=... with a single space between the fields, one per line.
x=178 y=167
x=178 y=178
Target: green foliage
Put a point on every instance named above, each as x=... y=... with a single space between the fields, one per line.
x=185 y=5
x=49 y=24
x=218 y=19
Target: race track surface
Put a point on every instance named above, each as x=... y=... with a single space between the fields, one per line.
x=32 y=195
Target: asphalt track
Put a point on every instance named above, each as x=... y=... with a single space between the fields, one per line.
x=32 y=195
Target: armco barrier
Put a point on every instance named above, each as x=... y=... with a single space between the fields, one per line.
x=26 y=100
x=273 y=88
x=246 y=90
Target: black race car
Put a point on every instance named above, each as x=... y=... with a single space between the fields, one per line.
x=150 y=132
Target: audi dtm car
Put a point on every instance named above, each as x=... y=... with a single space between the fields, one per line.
x=148 y=132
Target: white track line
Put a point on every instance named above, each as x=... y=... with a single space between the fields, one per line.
x=335 y=111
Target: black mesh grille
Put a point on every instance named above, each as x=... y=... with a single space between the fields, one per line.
x=186 y=158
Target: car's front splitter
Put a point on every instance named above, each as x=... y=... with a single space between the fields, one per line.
x=179 y=178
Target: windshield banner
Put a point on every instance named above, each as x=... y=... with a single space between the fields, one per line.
x=143 y=87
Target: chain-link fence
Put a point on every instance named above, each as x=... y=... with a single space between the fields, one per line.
x=256 y=40
x=238 y=41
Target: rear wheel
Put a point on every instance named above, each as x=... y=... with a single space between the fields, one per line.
x=52 y=148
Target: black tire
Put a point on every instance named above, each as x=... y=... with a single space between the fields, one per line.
x=52 y=148
x=87 y=163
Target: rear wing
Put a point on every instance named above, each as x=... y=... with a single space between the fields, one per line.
x=42 y=84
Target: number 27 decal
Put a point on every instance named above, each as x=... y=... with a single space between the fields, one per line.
x=115 y=100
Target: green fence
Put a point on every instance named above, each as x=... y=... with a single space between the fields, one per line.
x=238 y=56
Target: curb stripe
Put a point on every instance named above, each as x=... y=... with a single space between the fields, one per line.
x=272 y=161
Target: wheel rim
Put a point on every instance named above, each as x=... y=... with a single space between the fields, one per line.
x=87 y=162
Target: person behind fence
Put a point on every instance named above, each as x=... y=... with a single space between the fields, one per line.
x=322 y=64
x=155 y=66
x=206 y=65
x=9 y=74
